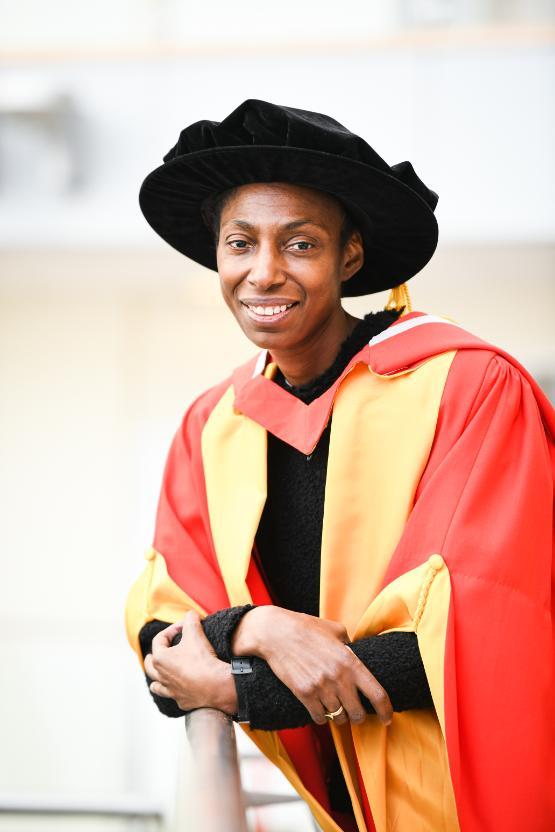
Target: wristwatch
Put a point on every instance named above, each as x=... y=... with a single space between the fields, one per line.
x=241 y=664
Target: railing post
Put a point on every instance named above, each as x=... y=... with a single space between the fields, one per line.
x=217 y=782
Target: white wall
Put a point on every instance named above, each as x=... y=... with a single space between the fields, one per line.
x=477 y=122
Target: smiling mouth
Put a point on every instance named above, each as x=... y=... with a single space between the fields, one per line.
x=268 y=312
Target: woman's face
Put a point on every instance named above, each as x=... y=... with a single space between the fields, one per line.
x=281 y=263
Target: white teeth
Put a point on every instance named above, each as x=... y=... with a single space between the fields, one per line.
x=269 y=310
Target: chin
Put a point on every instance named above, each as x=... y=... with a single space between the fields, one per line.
x=266 y=340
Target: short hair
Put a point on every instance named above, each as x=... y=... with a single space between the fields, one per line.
x=213 y=206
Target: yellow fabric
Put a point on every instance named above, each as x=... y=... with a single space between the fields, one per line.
x=347 y=755
x=271 y=746
x=234 y=458
x=405 y=766
x=382 y=431
x=381 y=434
x=154 y=595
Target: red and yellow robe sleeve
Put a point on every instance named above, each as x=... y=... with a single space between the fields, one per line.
x=482 y=609
x=182 y=570
x=489 y=488
x=438 y=518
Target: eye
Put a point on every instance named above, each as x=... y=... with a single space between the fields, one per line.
x=305 y=245
x=238 y=244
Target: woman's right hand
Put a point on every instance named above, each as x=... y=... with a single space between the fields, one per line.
x=310 y=655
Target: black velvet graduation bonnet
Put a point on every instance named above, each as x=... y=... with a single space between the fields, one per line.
x=263 y=142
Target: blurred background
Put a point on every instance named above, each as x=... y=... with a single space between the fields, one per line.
x=107 y=334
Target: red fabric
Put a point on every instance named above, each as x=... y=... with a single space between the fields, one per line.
x=310 y=757
x=182 y=533
x=365 y=803
x=285 y=415
x=485 y=503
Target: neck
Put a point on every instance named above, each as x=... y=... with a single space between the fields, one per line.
x=314 y=356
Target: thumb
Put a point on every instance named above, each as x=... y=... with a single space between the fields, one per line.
x=191 y=619
x=195 y=631
x=192 y=625
x=165 y=637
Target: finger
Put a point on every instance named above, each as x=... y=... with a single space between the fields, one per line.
x=164 y=638
x=378 y=697
x=315 y=709
x=160 y=690
x=150 y=670
x=354 y=709
x=330 y=706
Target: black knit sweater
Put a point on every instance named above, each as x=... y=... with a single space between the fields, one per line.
x=288 y=543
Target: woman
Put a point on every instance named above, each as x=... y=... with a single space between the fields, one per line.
x=333 y=509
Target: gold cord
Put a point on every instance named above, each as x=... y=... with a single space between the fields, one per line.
x=399 y=297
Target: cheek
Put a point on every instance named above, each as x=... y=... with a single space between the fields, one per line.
x=230 y=275
x=321 y=285
x=227 y=286
x=227 y=289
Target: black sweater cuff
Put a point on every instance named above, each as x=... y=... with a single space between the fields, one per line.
x=393 y=658
x=218 y=628
x=267 y=703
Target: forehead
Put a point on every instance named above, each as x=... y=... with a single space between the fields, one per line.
x=280 y=199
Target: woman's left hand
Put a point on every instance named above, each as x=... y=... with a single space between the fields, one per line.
x=190 y=673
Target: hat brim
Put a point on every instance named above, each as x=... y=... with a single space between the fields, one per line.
x=398 y=227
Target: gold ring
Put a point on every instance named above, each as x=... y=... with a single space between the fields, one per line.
x=333 y=714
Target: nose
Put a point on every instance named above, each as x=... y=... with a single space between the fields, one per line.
x=266 y=271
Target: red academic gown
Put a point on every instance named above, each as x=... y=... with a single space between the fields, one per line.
x=438 y=519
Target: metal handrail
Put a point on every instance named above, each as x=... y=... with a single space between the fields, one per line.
x=220 y=802
x=213 y=779
x=219 y=798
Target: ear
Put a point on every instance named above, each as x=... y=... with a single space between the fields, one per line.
x=353 y=256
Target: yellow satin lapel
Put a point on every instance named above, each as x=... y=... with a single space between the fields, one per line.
x=381 y=434
x=234 y=457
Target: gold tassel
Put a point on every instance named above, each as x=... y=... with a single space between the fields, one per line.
x=399 y=297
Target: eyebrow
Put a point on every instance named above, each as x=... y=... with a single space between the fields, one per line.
x=290 y=226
